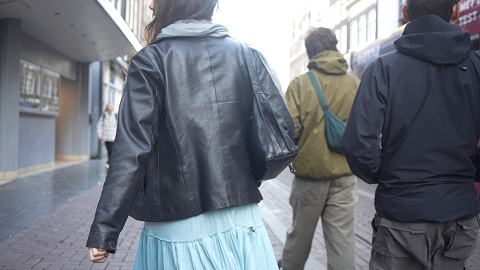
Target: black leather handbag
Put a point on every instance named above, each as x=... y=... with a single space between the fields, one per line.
x=270 y=135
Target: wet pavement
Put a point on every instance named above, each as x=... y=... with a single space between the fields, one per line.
x=24 y=200
x=45 y=218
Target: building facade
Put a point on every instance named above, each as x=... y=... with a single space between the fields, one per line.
x=298 y=53
x=390 y=28
x=55 y=58
x=356 y=23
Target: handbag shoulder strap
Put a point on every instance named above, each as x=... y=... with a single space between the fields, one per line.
x=315 y=84
x=248 y=56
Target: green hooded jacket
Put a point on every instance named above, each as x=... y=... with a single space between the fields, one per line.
x=315 y=160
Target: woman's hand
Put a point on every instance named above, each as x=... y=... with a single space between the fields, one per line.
x=98 y=255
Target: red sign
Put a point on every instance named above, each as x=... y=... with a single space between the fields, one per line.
x=469 y=19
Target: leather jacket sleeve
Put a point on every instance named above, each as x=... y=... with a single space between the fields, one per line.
x=136 y=135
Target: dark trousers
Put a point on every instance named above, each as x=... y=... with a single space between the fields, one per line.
x=422 y=246
x=109 y=146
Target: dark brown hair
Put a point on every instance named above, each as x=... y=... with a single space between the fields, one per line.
x=166 y=12
x=319 y=40
x=420 y=8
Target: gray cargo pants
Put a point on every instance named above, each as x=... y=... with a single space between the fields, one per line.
x=334 y=202
x=422 y=246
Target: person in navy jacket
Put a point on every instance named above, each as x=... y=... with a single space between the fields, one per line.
x=413 y=130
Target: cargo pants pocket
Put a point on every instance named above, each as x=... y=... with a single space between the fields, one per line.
x=398 y=245
x=463 y=241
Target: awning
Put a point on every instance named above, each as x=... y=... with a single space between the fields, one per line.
x=84 y=30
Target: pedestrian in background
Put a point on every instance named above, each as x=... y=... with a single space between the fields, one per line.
x=180 y=160
x=324 y=186
x=107 y=128
x=413 y=130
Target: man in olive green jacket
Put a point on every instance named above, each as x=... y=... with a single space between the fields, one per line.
x=323 y=185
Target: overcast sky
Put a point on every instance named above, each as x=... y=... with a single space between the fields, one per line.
x=264 y=24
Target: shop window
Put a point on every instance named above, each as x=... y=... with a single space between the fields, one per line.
x=372 y=25
x=51 y=81
x=353 y=34
x=39 y=88
x=343 y=39
x=401 y=20
x=344 y=10
x=30 y=85
x=338 y=35
x=362 y=30
x=338 y=12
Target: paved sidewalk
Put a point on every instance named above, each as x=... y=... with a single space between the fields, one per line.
x=45 y=218
x=57 y=240
x=51 y=225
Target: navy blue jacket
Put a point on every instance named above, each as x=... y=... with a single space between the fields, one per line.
x=414 y=125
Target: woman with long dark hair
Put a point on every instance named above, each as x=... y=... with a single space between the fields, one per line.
x=180 y=161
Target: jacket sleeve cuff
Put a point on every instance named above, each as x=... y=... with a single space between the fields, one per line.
x=102 y=240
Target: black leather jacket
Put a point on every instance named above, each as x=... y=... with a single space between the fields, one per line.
x=180 y=148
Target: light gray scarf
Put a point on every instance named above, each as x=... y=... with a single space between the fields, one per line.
x=193 y=28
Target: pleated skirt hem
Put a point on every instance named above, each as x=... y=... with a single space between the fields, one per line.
x=225 y=239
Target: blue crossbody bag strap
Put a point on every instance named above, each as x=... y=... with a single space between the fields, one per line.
x=334 y=127
x=318 y=90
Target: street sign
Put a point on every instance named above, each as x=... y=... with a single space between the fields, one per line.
x=469 y=19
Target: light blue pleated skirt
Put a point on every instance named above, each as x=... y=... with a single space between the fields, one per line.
x=231 y=238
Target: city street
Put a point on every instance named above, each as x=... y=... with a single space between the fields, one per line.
x=45 y=218
x=404 y=74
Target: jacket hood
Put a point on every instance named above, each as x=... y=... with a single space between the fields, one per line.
x=330 y=62
x=434 y=40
